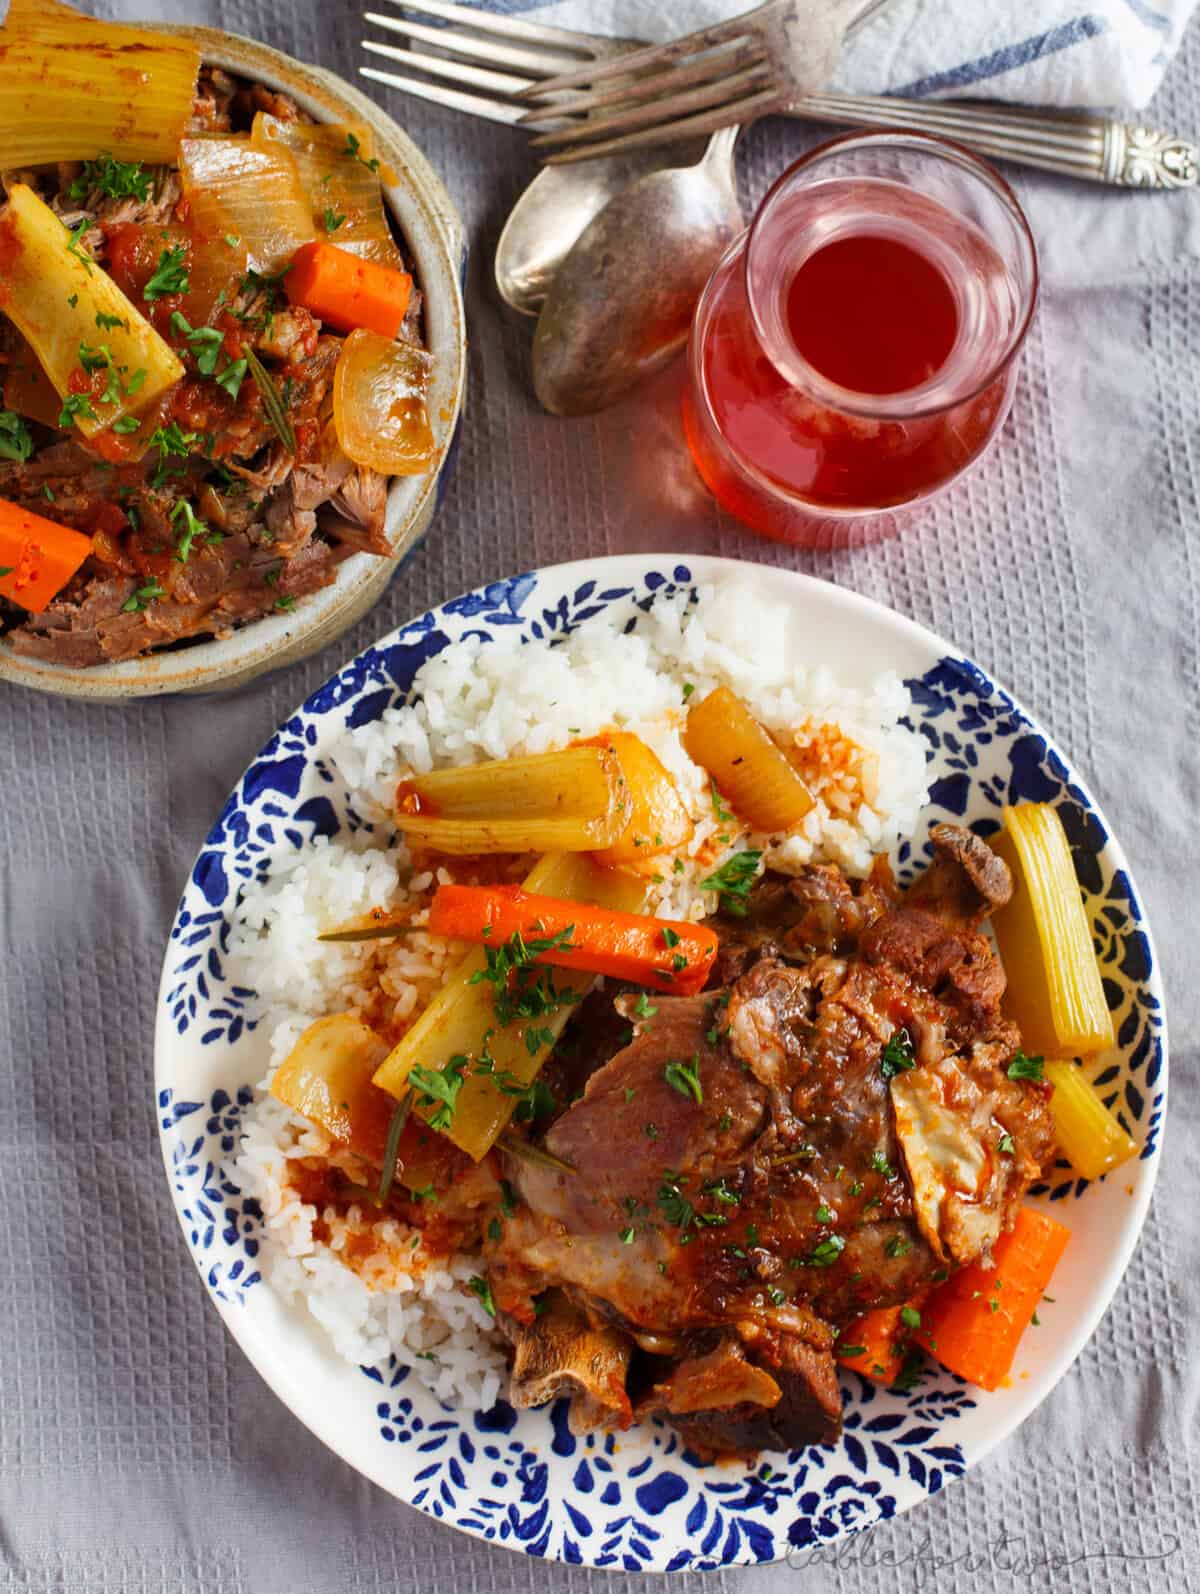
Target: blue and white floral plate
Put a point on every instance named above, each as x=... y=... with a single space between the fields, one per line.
x=640 y=1501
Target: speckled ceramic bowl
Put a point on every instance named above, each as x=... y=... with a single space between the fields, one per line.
x=434 y=242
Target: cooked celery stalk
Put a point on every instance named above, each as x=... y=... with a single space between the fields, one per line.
x=103 y=357
x=658 y=822
x=573 y=801
x=326 y=1078
x=460 y=1026
x=753 y=775
x=1054 y=989
x=74 y=87
x=1090 y=1136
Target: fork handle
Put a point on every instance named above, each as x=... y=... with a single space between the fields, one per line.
x=1123 y=154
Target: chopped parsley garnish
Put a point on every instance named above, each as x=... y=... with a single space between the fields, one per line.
x=521 y=991
x=232 y=376
x=170 y=275
x=897 y=1056
x=113 y=178
x=826 y=1253
x=644 y=1008
x=824 y=1215
x=354 y=150
x=172 y=439
x=75 y=404
x=16 y=443
x=732 y=881
x=880 y=1164
x=898 y=1245
x=124 y=425
x=909 y=1375
x=670 y=937
x=6 y=570
x=204 y=342
x=674 y=1205
x=143 y=598
x=483 y=1290
x=1023 y=1067
x=508 y=1198
x=193 y=527
x=494 y=1229
x=777 y=1296
x=536 y=1100
x=1006 y=1145
x=724 y=1196
x=94 y=357
x=650 y=1131
x=332 y=221
x=725 y=1121
x=685 y=1078
x=75 y=247
x=688 y=688
x=910 y=1317
x=626 y=1236
x=439 y=1088
x=850 y=1350
x=285 y=603
x=106 y=323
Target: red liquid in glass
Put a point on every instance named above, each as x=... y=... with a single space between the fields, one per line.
x=875 y=316
x=872 y=314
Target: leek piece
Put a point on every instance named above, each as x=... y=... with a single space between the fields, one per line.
x=659 y=822
x=251 y=195
x=1090 y=1136
x=74 y=87
x=70 y=310
x=343 y=188
x=460 y=1022
x=575 y=800
x=1055 y=993
x=753 y=774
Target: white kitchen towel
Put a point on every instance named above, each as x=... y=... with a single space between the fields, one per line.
x=1040 y=52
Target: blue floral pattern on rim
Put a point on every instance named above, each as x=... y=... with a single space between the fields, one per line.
x=523 y=1479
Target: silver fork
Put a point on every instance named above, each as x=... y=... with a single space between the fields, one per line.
x=496 y=64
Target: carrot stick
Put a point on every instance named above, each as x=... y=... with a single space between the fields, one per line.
x=666 y=956
x=974 y=1321
x=876 y=1343
x=346 y=291
x=37 y=557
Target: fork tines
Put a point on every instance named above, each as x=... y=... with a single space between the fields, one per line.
x=490 y=59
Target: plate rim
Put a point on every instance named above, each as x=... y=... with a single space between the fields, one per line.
x=707 y=567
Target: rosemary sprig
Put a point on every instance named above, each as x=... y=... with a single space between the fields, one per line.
x=273 y=404
x=524 y=1152
x=392 y=1148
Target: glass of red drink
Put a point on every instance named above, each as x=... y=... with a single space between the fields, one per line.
x=855 y=350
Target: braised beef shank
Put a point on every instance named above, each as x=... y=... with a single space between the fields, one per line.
x=841 y=1149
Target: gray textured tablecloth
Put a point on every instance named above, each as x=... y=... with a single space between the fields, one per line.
x=139 y=1451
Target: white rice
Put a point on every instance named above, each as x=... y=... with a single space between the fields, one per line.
x=479 y=701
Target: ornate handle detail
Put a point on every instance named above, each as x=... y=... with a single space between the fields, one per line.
x=1142 y=157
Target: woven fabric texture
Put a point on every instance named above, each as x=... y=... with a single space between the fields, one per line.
x=139 y=1451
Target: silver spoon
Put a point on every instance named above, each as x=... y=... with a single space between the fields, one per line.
x=614 y=268
x=545 y=223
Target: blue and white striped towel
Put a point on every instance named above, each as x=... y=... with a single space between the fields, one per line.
x=1041 y=52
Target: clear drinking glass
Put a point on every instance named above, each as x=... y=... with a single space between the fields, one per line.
x=855 y=349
